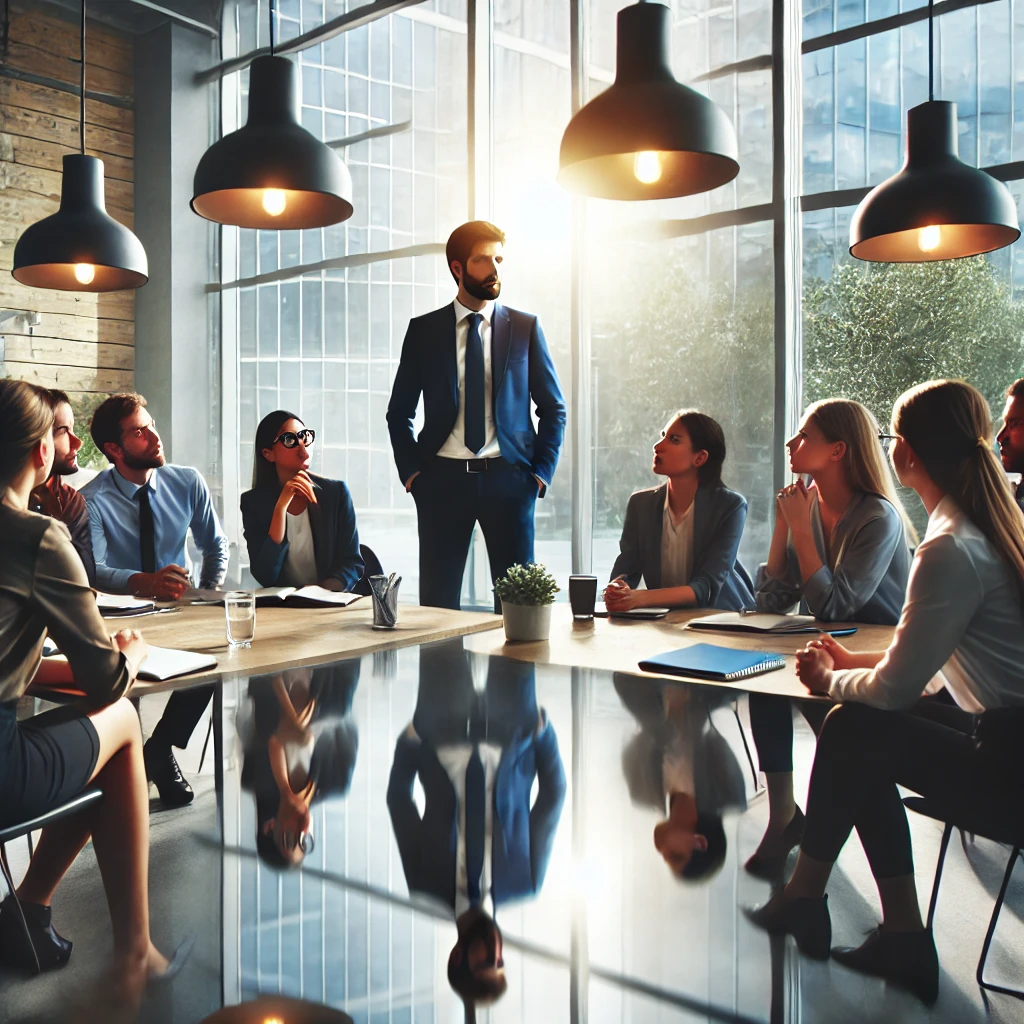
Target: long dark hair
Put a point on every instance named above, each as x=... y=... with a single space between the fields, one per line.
x=26 y=414
x=264 y=475
x=948 y=424
x=706 y=434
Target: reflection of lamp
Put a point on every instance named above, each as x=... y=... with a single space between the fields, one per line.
x=936 y=207
x=272 y=173
x=278 y=1010
x=80 y=248
x=647 y=136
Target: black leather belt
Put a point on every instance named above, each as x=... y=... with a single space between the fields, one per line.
x=475 y=465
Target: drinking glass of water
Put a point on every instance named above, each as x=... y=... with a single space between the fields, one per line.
x=240 y=616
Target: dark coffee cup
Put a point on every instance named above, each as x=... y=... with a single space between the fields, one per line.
x=582 y=596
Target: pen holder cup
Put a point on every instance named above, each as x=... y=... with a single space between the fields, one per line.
x=385 y=602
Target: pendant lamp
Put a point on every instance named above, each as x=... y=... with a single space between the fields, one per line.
x=646 y=136
x=272 y=173
x=278 y=1010
x=936 y=207
x=80 y=248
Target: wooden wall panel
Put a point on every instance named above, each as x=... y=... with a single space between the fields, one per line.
x=84 y=342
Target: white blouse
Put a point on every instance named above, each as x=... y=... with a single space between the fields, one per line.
x=300 y=561
x=962 y=626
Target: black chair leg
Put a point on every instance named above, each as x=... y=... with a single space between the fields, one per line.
x=206 y=743
x=946 y=833
x=743 y=736
x=6 y=869
x=1018 y=993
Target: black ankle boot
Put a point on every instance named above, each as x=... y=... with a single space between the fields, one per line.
x=904 y=958
x=806 y=919
x=772 y=867
x=52 y=949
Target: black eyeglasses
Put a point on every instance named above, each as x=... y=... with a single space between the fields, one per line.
x=886 y=440
x=291 y=438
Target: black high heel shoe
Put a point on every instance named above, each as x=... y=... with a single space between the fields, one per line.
x=52 y=949
x=907 y=959
x=772 y=867
x=806 y=919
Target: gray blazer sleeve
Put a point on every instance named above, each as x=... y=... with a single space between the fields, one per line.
x=837 y=596
x=779 y=593
x=628 y=564
x=718 y=556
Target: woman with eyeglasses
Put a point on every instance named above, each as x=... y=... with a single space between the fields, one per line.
x=961 y=633
x=300 y=528
x=840 y=550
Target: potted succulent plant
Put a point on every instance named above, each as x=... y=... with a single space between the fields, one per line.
x=527 y=593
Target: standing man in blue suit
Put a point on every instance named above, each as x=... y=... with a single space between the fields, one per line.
x=478 y=843
x=478 y=458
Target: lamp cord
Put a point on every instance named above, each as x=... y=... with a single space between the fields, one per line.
x=81 y=106
x=273 y=12
x=931 y=50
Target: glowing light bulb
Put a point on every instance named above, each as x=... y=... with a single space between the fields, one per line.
x=84 y=273
x=647 y=167
x=928 y=238
x=274 y=201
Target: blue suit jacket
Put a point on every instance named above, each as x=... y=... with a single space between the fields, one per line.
x=718 y=579
x=521 y=370
x=522 y=838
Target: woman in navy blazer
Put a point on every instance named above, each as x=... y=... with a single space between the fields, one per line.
x=700 y=555
x=300 y=529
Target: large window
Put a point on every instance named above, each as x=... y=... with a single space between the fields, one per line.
x=872 y=330
x=682 y=303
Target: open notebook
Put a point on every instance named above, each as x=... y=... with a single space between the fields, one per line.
x=112 y=605
x=161 y=662
x=168 y=663
x=293 y=597
x=764 y=623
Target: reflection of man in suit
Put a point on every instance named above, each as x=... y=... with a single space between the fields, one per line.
x=478 y=843
x=478 y=458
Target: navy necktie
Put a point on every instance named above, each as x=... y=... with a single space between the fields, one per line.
x=147 y=531
x=474 y=386
x=476 y=807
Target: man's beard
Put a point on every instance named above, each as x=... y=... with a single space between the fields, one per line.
x=65 y=467
x=478 y=289
x=143 y=461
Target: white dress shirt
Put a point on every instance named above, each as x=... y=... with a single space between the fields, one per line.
x=455 y=446
x=962 y=626
x=676 y=547
x=455 y=760
x=300 y=561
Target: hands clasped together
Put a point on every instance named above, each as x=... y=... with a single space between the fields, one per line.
x=815 y=663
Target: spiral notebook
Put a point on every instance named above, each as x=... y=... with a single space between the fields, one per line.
x=706 y=661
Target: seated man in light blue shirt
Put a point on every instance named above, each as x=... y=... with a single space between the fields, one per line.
x=139 y=514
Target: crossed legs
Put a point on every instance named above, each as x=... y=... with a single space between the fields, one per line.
x=119 y=827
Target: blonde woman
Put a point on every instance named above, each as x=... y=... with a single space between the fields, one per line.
x=962 y=626
x=840 y=549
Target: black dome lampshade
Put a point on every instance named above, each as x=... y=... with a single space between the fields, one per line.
x=936 y=207
x=647 y=136
x=272 y=173
x=80 y=248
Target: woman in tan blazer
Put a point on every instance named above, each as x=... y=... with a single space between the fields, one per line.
x=46 y=760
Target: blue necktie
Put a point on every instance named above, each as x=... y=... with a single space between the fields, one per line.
x=476 y=808
x=474 y=386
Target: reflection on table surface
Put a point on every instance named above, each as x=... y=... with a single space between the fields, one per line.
x=361 y=855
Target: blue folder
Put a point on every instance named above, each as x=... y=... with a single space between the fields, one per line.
x=706 y=661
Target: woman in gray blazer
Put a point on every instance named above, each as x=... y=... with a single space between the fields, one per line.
x=840 y=549
x=682 y=537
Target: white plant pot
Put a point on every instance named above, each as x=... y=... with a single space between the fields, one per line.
x=526 y=621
